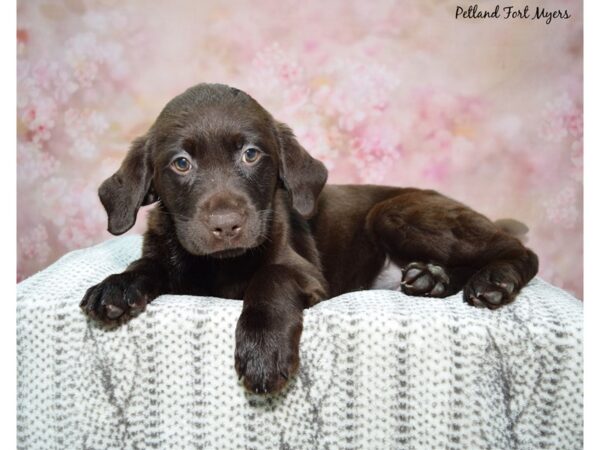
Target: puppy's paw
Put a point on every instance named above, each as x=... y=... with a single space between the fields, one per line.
x=116 y=299
x=265 y=356
x=427 y=280
x=490 y=288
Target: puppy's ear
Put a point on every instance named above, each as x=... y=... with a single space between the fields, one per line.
x=129 y=188
x=302 y=175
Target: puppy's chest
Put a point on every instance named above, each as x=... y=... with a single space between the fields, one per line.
x=222 y=282
x=233 y=289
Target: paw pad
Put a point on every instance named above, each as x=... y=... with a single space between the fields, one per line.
x=489 y=289
x=421 y=279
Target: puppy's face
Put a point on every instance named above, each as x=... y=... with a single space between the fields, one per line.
x=215 y=171
x=214 y=157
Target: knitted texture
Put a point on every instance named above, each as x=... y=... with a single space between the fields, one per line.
x=378 y=370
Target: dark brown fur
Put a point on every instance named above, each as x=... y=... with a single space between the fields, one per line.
x=270 y=233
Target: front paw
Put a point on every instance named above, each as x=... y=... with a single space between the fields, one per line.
x=266 y=354
x=116 y=299
x=427 y=280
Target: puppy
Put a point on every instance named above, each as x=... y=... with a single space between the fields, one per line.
x=243 y=213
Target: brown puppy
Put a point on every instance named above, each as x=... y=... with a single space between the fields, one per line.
x=243 y=214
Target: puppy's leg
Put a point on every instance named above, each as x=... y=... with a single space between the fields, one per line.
x=269 y=328
x=499 y=281
x=124 y=295
x=443 y=247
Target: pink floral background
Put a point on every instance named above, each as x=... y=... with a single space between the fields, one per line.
x=487 y=111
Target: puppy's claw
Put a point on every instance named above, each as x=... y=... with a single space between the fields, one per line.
x=508 y=286
x=240 y=369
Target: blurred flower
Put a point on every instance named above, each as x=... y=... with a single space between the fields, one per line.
x=436 y=170
x=276 y=72
x=508 y=127
x=83 y=55
x=106 y=21
x=84 y=128
x=560 y=117
x=73 y=208
x=317 y=140
x=374 y=153
x=33 y=164
x=39 y=117
x=34 y=246
x=563 y=209
x=357 y=91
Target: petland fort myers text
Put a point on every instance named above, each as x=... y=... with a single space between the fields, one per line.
x=511 y=12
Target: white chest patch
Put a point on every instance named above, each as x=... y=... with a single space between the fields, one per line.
x=390 y=276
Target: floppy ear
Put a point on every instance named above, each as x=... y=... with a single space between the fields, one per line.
x=302 y=175
x=129 y=188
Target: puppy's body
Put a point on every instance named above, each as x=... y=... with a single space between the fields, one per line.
x=243 y=214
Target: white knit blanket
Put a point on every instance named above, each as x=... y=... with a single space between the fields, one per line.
x=378 y=370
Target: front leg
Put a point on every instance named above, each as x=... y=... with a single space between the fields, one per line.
x=122 y=296
x=269 y=328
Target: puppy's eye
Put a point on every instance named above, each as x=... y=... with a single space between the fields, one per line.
x=251 y=155
x=181 y=165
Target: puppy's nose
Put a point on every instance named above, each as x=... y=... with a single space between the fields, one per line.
x=226 y=225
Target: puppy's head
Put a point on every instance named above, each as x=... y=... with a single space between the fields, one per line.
x=214 y=158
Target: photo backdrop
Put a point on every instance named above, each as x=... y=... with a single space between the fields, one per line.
x=488 y=111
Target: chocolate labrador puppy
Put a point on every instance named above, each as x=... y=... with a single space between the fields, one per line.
x=243 y=213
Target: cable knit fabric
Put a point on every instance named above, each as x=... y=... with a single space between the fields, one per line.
x=378 y=370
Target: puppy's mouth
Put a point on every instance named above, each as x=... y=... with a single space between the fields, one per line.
x=203 y=245
x=229 y=253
